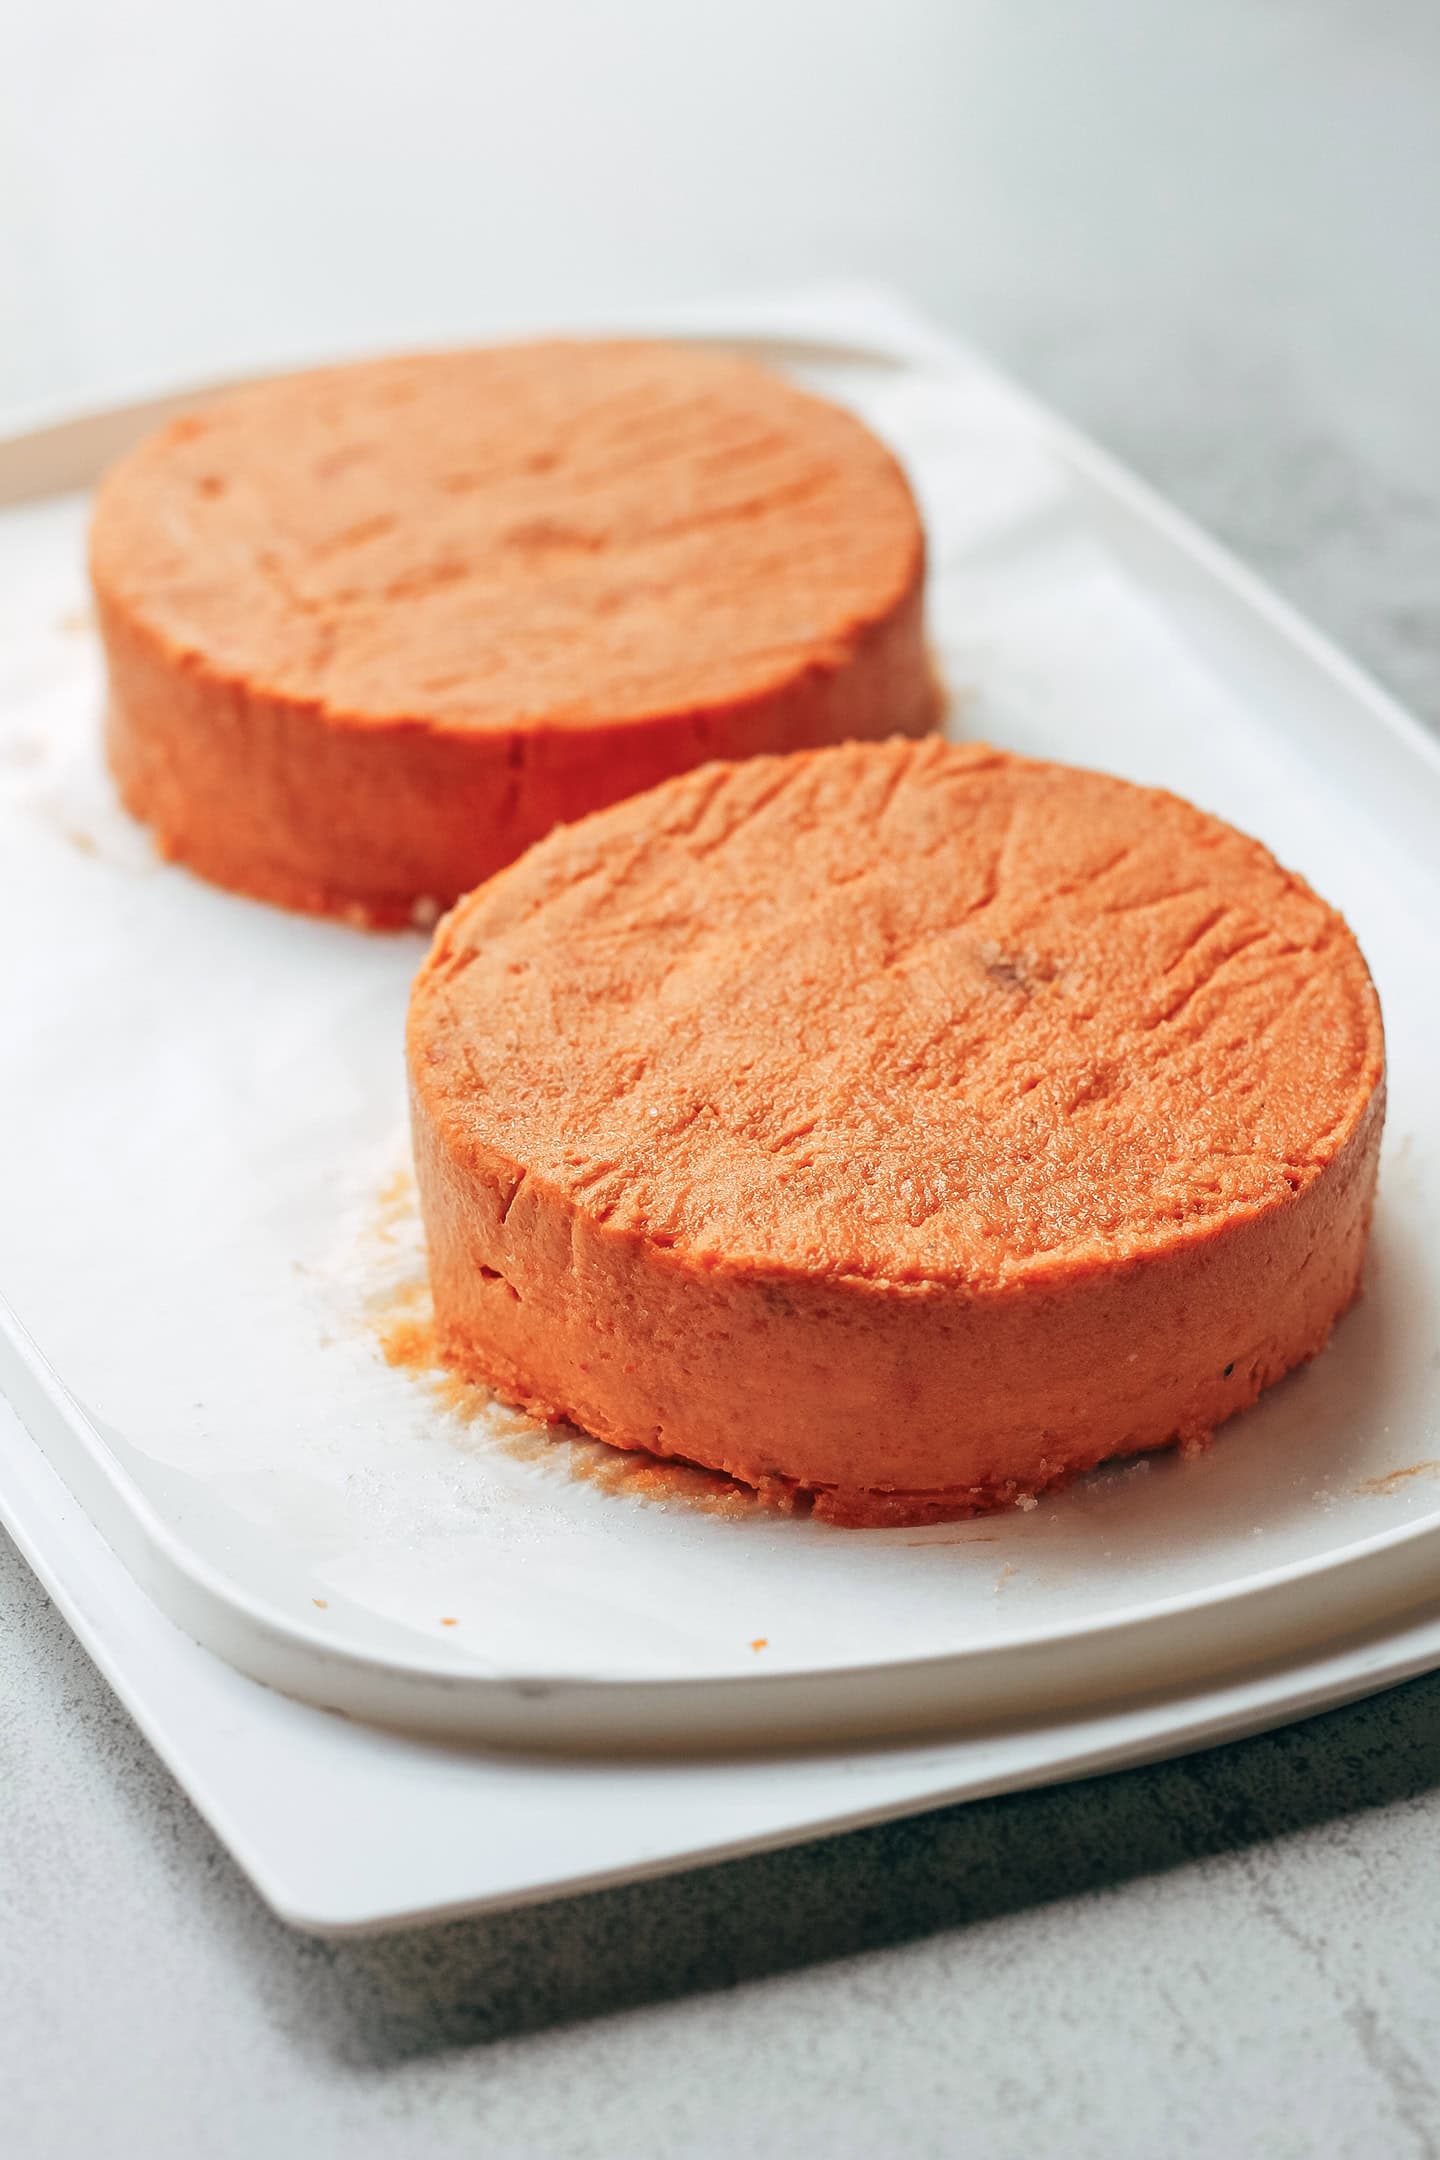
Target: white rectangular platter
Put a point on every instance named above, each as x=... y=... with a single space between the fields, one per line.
x=207 y=1233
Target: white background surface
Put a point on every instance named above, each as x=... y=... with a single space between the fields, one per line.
x=1209 y=233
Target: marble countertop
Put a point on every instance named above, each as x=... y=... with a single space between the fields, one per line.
x=1208 y=235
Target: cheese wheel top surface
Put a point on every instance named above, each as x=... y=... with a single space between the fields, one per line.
x=907 y=1012
x=567 y=533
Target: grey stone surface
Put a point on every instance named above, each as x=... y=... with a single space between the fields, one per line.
x=1209 y=233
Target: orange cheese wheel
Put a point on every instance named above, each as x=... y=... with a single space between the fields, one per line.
x=373 y=630
x=899 y=1128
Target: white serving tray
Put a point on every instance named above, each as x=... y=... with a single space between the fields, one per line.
x=180 y=1248
x=347 y=1829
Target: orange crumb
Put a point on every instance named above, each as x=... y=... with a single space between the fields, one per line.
x=395 y=1201
x=761 y=1642
x=449 y=1623
x=1394 y=1479
x=323 y=1603
x=410 y=1343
